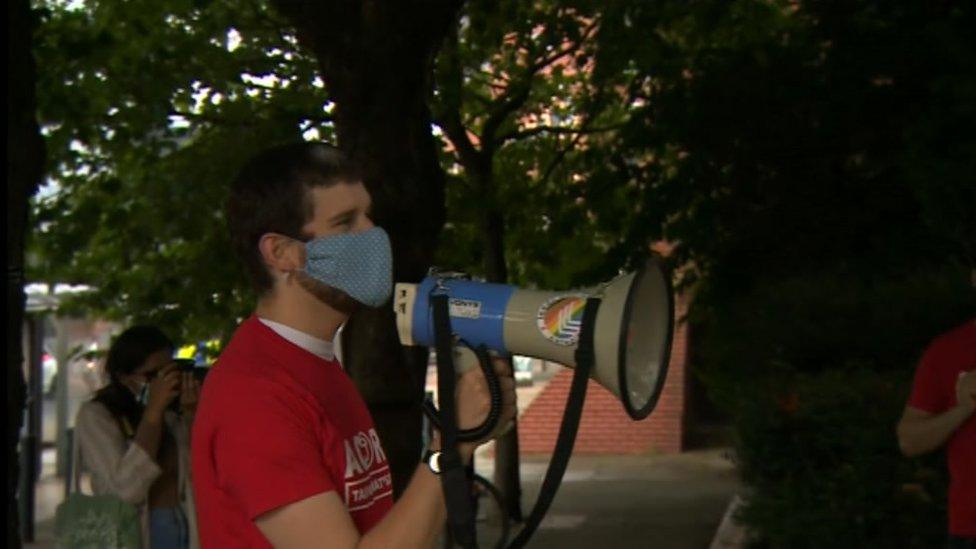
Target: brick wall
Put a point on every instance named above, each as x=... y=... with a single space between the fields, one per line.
x=605 y=428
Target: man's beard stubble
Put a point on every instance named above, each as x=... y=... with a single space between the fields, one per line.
x=335 y=298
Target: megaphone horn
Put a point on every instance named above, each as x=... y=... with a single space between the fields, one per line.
x=632 y=336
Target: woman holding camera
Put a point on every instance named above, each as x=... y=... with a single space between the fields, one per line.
x=133 y=436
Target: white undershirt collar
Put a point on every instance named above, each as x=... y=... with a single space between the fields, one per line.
x=318 y=347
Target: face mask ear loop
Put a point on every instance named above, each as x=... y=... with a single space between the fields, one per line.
x=143 y=396
x=302 y=243
x=292 y=272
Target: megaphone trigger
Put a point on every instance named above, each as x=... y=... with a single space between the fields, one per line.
x=465 y=358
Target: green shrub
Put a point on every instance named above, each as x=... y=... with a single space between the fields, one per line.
x=814 y=371
x=820 y=456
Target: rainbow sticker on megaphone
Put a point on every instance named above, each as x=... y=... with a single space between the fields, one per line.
x=561 y=318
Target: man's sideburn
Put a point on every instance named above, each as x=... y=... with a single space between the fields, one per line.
x=335 y=298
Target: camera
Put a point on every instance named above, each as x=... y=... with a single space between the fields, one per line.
x=189 y=366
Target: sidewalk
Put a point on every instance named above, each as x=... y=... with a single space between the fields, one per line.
x=660 y=502
x=635 y=501
x=653 y=501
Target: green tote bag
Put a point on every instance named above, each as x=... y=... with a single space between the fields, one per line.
x=89 y=522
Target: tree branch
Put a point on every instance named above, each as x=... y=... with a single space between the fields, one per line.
x=486 y=101
x=523 y=134
x=596 y=104
x=518 y=93
x=560 y=156
x=449 y=117
x=584 y=36
x=512 y=101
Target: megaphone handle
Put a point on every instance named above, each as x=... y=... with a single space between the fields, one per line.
x=494 y=392
x=569 y=427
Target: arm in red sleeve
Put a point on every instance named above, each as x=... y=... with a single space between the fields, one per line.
x=267 y=452
x=929 y=391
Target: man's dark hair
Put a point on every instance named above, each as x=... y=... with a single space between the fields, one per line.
x=271 y=195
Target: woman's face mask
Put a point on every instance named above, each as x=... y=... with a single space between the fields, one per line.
x=143 y=395
x=139 y=385
x=359 y=264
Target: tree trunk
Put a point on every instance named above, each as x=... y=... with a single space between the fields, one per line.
x=507 y=475
x=25 y=165
x=376 y=59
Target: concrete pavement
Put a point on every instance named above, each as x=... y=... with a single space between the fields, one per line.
x=653 y=501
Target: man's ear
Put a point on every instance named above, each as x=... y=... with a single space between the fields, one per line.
x=280 y=253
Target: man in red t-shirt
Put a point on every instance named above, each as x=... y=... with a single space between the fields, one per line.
x=940 y=413
x=284 y=450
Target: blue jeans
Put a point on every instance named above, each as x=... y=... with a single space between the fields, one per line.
x=168 y=529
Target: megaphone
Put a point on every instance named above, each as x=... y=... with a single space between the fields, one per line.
x=632 y=335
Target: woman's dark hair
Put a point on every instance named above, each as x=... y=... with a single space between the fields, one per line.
x=129 y=351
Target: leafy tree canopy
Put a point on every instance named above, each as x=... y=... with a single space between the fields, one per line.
x=768 y=139
x=148 y=109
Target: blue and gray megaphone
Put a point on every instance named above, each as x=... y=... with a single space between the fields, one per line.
x=632 y=333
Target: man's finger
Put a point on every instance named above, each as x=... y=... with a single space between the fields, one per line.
x=507 y=385
x=508 y=391
x=509 y=415
x=503 y=366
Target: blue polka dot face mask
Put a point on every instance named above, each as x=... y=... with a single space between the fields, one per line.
x=360 y=264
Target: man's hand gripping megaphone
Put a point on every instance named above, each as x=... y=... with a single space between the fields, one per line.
x=486 y=405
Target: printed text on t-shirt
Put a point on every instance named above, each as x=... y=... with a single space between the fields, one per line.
x=367 y=471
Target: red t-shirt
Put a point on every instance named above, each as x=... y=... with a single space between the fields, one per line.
x=275 y=425
x=934 y=391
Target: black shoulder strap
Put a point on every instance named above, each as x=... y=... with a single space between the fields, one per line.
x=454 y=477
x=569 y=427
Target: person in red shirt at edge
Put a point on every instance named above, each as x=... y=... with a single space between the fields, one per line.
x=940 y=412
x=284 y=451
